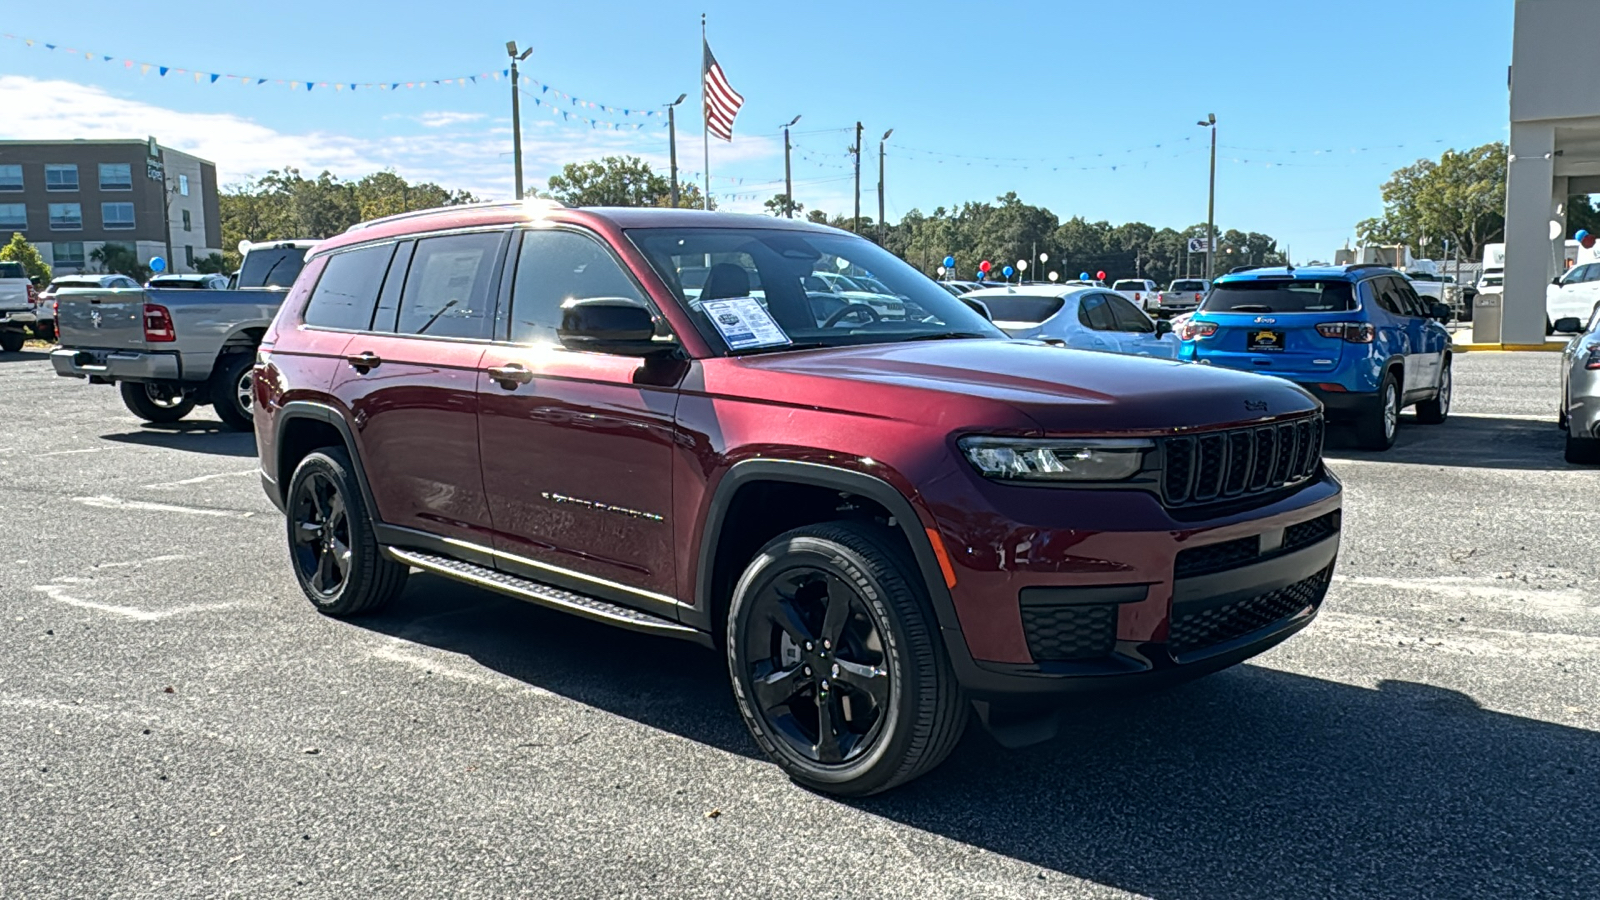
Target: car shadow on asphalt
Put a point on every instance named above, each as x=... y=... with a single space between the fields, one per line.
x=1472 y=442
x=1251 y=783
x=191 y=437
x=24 y=356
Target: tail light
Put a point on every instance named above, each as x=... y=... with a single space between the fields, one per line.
x=1191 y=329
x=1593 y=362
x=33 y=295
x=1198 y=297
x=1353 y=332
x=158 y=324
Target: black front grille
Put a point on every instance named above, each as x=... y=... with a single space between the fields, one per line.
x=1308 y=533
x=1058 y=633
x=1229 y=464
x=1217 y=624
x=1217 y=557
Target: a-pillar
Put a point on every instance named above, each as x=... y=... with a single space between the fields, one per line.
x=1535 y=198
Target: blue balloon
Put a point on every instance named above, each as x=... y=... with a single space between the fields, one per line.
x=1008 y=271
x=1582 y=233
x=157 y=264
x=1083 y=276
x=949 y=262
x=980 y=275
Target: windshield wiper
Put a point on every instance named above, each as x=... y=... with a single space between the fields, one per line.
x=948 y=336
x=775 y=348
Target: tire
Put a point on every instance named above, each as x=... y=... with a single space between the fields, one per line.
x=154 y=402
x=45 y=331
x=1435 y=411
x=898 y=727
x=12 y=341
x=338 y=563
x=1582 y=451
x=1377 y=428
x=231 y=389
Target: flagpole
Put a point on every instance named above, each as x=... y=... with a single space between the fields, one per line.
x=705 y=119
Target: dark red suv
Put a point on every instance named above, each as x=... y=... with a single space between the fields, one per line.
x=881 y=510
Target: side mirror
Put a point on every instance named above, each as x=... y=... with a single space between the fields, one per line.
x=1556 y=281
x=979 y=307
x=1163 y=328
x=614 y=325
x=1441 y=311
x=1568 y=325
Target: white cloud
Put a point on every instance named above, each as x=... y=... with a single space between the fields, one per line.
x=477 y=159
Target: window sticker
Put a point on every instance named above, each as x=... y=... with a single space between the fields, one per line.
x=744 y=323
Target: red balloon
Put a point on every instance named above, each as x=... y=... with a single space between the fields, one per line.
x=1100 y=275
x=1588 y=241
x=984 y=266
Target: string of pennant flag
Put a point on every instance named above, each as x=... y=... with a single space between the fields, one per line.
x=548 y=93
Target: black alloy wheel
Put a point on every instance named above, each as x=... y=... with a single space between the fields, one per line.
x=837 y=664
x=816 y=664
x=332 y=545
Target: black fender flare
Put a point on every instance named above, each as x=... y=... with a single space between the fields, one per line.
x=818 y=475
x=297 y=410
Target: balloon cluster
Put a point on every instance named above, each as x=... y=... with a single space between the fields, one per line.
x=1585 y=239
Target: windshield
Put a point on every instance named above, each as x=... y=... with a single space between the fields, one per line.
x=1128 y=286
x=12 y=270
x=1022 y=308
x=802 y=276
x=1280 y=296
x=271 y=267
x=1187 y=287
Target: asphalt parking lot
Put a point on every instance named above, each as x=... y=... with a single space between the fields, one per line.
x=175 y=720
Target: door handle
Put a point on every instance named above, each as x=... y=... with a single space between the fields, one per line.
x=364 y=362
x=509 y=376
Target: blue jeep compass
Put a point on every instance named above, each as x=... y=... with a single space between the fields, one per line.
x=1358 y=337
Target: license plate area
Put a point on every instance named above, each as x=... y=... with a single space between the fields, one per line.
x=1264 y=340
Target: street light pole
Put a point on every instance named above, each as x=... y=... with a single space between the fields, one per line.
x=856 y=223
x=672 y=144
x=788 y=178
x=1210 y=121
x=516 y=112
x=881 y=141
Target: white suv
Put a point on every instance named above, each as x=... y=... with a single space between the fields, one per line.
x=17 y=304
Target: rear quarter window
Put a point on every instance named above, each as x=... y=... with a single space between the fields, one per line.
x=1032 y=310
x=348 y=289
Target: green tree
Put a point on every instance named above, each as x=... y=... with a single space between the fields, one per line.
x=212 y=264
x=776 y=205
x=120 y=259
x=619 y=181
x=1461 y=197
x=19 y=250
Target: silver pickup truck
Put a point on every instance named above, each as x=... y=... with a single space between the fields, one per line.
x=172 y=350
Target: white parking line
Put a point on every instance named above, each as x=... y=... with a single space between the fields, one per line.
x=118 y=503
x=71 y=452
x=58 y=593
x=198 y=479
x=1462 y=588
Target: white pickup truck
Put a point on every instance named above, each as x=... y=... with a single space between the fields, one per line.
x=1184 y=295
x=1142 y=292
x=17 y=303
x=170 y=350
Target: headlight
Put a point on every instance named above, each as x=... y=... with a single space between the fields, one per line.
x=1056 y=459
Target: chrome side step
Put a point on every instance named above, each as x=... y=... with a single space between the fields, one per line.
x=545 y=595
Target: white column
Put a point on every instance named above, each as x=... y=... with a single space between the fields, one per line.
x=1530 y=253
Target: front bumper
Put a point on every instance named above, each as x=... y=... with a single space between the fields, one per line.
x=105 y=366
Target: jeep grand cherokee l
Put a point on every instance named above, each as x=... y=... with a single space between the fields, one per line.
x=883 y=523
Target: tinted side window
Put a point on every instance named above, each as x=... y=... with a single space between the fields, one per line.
x=1128 y=317
x=1411 y=302
x=554 y=267
x=1388 y=296
x=348 y=288
x=448 y=288
x=389 y=299
x=1094 y=313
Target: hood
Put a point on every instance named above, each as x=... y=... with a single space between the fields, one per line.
x=1064 y=391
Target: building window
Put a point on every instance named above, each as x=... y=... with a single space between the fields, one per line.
x=13 y=215
x=183 y=185
x=66 y=217
x=10 y=178
x=188 y=221
x=188 y=256
x=116 y=215
x=116 y=177
x=68 y=253
x=60 y=178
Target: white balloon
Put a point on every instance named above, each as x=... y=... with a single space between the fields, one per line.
x=1044 y=257
x=1054 y=275
x=941 y=270
x=1022 y=265
x=842 y=263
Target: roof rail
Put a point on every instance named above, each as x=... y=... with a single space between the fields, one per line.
x=1368 y=266
x=539 y=203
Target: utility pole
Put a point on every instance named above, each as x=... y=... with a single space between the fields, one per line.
x=788 y=177
x=672 y=144
x=856 y=223
x=881 y=142
x=516 y=111
x=1210 y=121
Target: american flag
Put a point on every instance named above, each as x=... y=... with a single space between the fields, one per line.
x=722 y=101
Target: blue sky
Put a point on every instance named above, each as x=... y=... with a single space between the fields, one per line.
x=1316 y=104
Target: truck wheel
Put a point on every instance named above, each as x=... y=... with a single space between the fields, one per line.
x=332 y=546
x=12 y=341
x=1435 y=411
x=1582 y=451
x=232 y=391
x=836 y=663
x=1377 y=428
x=45 y=331
x=156 y=402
